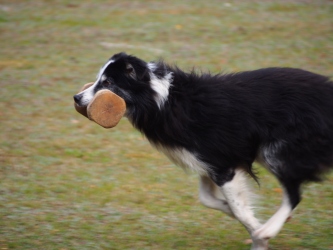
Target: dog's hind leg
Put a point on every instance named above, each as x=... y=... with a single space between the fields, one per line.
x=238 y=197
x=291 y=197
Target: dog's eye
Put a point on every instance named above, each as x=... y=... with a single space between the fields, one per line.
x=106 y=83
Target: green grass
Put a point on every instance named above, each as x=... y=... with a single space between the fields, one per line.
x=66 y=183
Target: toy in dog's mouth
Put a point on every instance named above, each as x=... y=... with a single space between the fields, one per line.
x=106 y=108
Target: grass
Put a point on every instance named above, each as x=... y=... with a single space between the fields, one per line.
x=66 y=183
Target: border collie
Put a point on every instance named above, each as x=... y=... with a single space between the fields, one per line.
x=218 y=125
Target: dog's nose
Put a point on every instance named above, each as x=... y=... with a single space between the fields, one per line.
x=77 y=98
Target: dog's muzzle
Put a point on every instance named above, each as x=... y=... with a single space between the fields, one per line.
x=77 y=99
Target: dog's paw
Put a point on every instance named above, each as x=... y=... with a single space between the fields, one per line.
x=259 y=244
x=265 y=232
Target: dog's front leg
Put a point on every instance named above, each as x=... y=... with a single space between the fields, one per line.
x=238 y=196
x=207 y=189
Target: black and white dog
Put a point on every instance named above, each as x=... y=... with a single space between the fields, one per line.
x=218 y=125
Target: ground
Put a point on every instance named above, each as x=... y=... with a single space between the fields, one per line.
x=66 y=183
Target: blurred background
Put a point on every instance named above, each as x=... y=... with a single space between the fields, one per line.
x=67 y=183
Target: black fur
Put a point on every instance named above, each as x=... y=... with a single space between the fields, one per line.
x=282 y=115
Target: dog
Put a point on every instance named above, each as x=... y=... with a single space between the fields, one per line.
x=218 y=125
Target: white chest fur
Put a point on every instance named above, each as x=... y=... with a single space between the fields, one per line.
x=183 y=158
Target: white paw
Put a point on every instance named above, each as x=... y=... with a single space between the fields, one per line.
x=266 y=231
x=259 y=244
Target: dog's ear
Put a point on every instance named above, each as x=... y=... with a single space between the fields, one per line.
x=136 y=69
x=130 y=71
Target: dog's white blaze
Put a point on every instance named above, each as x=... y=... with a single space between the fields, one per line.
x=101 y=72
x=185 y=159
x=160 y=86
x=88 y=94
x=273 y=226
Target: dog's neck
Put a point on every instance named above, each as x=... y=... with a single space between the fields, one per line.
x=161 y=80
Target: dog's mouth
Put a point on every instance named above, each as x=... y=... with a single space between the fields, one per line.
x=105 y=108
x=82 y=109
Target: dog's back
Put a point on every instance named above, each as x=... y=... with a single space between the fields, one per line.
x=284 y=115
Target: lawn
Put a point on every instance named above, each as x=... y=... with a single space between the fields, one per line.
x=67 y=183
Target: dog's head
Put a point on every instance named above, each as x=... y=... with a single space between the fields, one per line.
x=137 y=82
